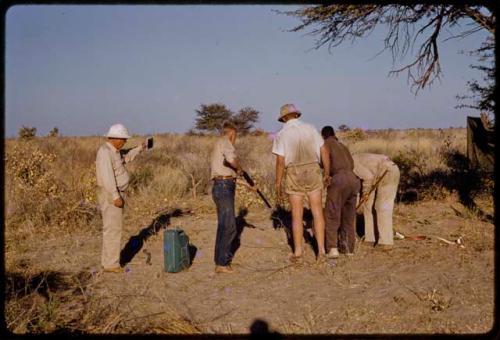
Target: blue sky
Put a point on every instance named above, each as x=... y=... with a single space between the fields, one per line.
x=83 y=68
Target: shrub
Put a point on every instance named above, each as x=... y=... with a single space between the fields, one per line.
x=27 y=132
x=344 y=128
x=354 y=135
x=142 y=177
x=54 y=132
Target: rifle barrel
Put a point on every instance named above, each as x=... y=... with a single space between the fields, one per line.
x=250 y=181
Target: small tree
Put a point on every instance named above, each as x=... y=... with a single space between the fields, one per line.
x=344 y=128
x=210 y=117
x=54 y=132
x=245 y=119
x=27 y=132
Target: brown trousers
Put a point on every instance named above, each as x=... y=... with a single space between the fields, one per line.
x=340 y=211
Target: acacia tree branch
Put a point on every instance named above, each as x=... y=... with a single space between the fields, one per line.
x=487 y=22
x=335 y=24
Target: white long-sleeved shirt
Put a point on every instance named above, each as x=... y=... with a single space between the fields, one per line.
x=368 y=167
x=111 y=173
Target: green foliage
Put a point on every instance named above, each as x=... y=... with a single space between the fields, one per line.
x=27 y=132
x=245 y=119
x=210 y=117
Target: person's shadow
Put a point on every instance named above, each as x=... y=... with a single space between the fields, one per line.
x=282 y=218
x=260 y=328
x=136 y=242
x=241 y=223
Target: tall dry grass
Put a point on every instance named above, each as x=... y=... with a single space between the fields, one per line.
x=50 y=189
x=50 y=182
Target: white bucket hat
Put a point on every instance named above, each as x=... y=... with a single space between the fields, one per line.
x=118 y=131
x=287 y=109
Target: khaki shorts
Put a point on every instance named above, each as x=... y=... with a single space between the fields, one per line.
x=303 y=179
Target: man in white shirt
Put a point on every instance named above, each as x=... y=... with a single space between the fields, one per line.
x=299 y=148
x=112 y=181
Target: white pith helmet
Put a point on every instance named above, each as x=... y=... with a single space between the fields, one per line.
x=118 y=131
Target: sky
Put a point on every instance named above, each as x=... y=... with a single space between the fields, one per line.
x=84 y=68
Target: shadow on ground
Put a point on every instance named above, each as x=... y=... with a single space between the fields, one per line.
x=464 y=179
x=18 y=284
x=136 y=242
x=282 y=218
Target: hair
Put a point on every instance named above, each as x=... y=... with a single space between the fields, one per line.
x=229 y=125
x=290 y=115
x=327 y=131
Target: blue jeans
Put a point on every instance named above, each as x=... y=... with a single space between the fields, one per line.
x=223 y=192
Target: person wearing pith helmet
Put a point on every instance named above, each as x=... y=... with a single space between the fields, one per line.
x=112 y=181
x=299 y=149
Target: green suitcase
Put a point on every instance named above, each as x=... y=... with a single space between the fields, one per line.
x=175 y=250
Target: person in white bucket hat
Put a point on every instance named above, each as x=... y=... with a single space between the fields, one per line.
x=112 y=181
x=299 y=149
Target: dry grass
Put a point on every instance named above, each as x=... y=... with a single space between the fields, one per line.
x=50 y=190
x=50 y=182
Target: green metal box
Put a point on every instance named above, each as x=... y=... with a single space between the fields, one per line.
x=175 y=250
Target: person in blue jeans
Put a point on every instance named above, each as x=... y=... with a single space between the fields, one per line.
x=225 y=168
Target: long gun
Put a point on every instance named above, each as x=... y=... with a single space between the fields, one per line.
x=250 y=181
x=373 y=187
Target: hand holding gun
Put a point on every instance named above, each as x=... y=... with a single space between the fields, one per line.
x=364 y=196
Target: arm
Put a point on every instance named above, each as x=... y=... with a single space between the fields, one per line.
x=280 y=170
x=104 y=167
x=325 y=159
x=131 y=154
x=230 y=157
x=235 y=164
x=366 y=177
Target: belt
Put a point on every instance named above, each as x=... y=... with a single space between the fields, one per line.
x=223 y=177
x=299 y=164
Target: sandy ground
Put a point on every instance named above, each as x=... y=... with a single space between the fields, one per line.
x=421 y=286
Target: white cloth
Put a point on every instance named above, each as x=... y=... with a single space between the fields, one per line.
x=112 y=220
x=368 y=167
x=111 y=174
x=298 y=142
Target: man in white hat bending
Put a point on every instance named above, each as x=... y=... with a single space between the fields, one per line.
x=112 y=181
x=299 y=148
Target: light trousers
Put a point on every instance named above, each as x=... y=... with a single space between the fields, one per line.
x=112 y=219
x=381 y=203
